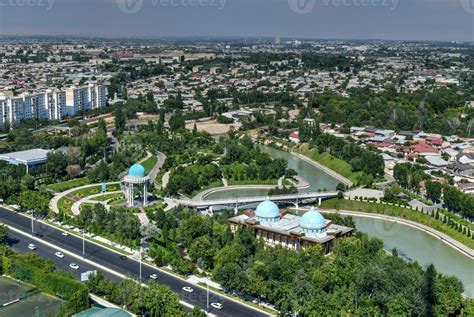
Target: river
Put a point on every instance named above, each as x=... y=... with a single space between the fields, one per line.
x=412 y=244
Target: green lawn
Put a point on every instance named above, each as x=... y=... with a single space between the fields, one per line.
x=417 y=216
x=108 y=197
x=60 y=187
x=333 y=163
x=65 y=203
x=88 y=191
x=149 y=163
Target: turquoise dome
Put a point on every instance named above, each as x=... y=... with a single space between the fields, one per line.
x=137 y=170
x=267 y=211
x=312 y=220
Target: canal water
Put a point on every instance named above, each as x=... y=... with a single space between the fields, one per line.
x=416 y=245
x=412 y=244
x=317 y=178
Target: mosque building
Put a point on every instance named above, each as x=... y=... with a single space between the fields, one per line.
x=290 y=231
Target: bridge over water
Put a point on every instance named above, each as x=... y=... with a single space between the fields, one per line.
x=236 y=202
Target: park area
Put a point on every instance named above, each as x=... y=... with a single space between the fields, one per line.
x=65 y=202
x=25 y=300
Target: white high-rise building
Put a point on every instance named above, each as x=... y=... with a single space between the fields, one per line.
x=56 y=104
x=77 y=99
x=98 y=96
x=53 y=104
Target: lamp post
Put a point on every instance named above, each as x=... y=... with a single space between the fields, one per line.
x=32 y=224
x=140 y=259
x=207 y=307
x=83 y=244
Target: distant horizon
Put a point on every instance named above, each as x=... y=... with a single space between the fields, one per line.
x=390 y=20
x=266 y=38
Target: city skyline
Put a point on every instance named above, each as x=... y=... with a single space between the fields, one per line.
x=440 y=20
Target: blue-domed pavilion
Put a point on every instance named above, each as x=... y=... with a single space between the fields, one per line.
x=275 y=227
x=136 y=177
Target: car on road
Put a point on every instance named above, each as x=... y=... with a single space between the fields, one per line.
x=64 y=233
x=31 y=246
x=154 y=276
x=74 y=266
x=217 y=305
x=59 y=254
x=122 y=257
x=188 y=289
x=39 y=234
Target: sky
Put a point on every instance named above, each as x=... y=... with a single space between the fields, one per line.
x=451 y=20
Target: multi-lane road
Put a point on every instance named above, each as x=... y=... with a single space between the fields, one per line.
x=109 y=262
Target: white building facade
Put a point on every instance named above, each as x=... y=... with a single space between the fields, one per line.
x=52 y=104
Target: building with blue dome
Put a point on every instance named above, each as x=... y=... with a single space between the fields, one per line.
x=312 y=222
x=267 y=211
x=137 y=170
x=278 y=228
x=135 y=180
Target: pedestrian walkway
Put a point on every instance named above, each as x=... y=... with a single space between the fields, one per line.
x=53 y=204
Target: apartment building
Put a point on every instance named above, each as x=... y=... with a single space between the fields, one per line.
x=85 y=98
x=52 y=104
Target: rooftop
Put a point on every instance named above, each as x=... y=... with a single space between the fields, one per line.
x=29 y=157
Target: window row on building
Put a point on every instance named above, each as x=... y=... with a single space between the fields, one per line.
x=52 y=104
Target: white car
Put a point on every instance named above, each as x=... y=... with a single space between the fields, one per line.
x=31 y=246
x=59 y=254
x=217 y=305
x=188 y=289
x=65 y=233
x=153 y=276
x=74 y=266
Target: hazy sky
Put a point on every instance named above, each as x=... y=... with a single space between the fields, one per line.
x=346 y=19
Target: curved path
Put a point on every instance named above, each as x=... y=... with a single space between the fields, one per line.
x=302 y=184
x=325 y=169
x=75 y=208
x=435 y=233
x=53 y=204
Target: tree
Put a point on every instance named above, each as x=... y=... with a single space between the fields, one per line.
x=391 y=192
x=120 y=121
x=34 y=201
x=28 y=182
x=192 y=228
x=57 y=163
x=202 y=249
x=434 y=190
x=3 y=232
x=159 y=300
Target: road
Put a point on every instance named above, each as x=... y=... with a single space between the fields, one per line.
x=111 y=260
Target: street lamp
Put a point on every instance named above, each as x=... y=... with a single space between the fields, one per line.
x=83 y=244
x=140 y=258
x=32 y=224
x=207 y=307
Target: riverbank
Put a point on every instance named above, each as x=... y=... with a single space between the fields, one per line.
x=325 y=169
x=461 y=240
x=437 y=234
